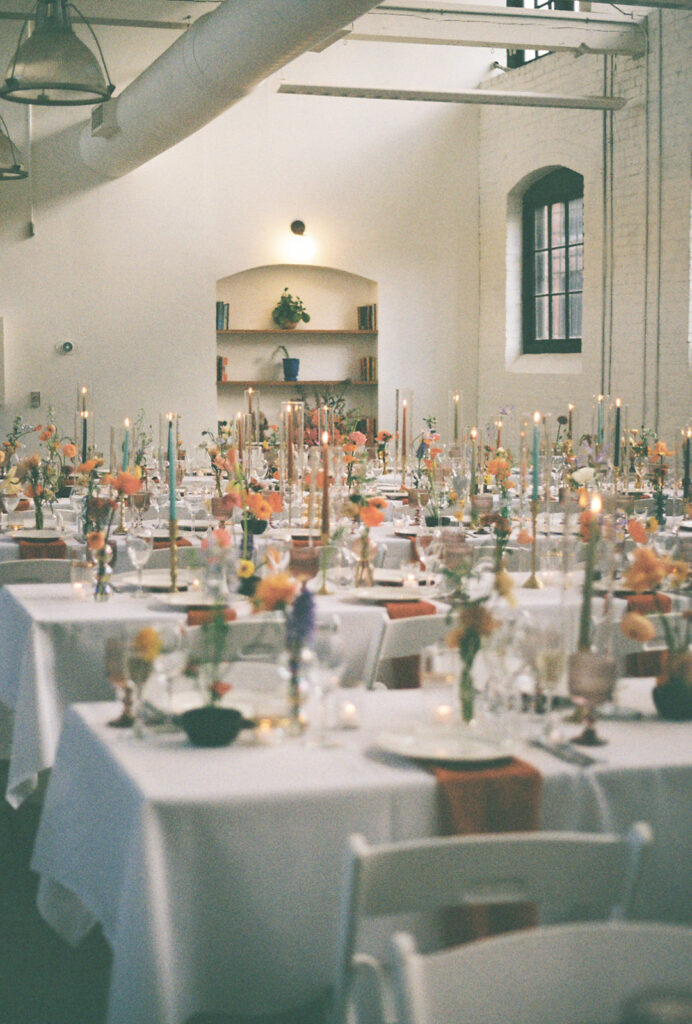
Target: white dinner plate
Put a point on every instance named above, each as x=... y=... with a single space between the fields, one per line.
x=379 y=595
x=396 y=578
x=154 y=579
x=442 y=743
x=40 y=534
x=394 y=495
x=199 y=525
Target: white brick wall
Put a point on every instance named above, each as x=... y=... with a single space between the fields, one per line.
x=648 y=368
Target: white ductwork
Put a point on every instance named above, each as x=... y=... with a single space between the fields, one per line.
x=224 y=55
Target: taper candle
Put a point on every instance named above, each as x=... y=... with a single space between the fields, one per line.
x=686 y=464
x=172 y=512
x=325 y=484
x=126 y=446
x=474 y=436
x=570 y=411
x=616 y=447
x=536 y=449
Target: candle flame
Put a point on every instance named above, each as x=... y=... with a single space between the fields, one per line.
x=325 y=437
x=474 y=433
x=536 y=417
x=618 y=402
x=126 y=423
x=570 y=407
x=596 y=504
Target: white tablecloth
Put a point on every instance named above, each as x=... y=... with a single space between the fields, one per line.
x=216 y=873
x=53 y=655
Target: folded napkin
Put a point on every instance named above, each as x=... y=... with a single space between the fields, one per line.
x=56 y=548
x=406 y=671
x=645 y=663
x=181 y=542
x=23 y=505
x=200 y=616
x=504 y=798
x=645 y=604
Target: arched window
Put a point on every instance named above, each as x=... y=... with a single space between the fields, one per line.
x=553 y=263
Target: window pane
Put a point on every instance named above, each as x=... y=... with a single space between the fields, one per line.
x=540 y=227
x=557 y=261
x=541 y=272
x=575 y=315
x=576 y=220
x=557 y=224
x=558 y=308
x=541 y=319
x=576 y=267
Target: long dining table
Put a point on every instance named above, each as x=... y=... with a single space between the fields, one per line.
x=216 y=874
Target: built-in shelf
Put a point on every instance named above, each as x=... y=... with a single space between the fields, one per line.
x=298 y=333
x=261 y=384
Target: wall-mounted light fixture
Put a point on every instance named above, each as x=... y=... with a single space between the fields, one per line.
x=10 y=162
x=52 y=67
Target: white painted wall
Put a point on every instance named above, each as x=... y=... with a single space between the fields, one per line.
x=635 y=322
x=127 y=269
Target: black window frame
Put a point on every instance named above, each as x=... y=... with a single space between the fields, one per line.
x=557 y=187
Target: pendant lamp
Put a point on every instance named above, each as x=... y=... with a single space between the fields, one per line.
x=52 y=67
x=10 y=165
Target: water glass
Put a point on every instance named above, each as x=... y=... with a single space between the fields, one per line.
x=140 y=544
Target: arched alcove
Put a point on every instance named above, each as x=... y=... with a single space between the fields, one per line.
x=331 y=347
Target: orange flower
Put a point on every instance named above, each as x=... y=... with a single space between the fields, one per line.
x=96 y=540
x=637 y=531
x=370 y=515
x=348 y=459
x=69 y=450
x=637 y=627
x=33 y=492
x=47 y=432
x=647 y=571
x=678 y=572
x=378 y=502
x=258 y=506
x=275 y=591
x=660 y=448
x=89 y=466
x=524 y=537
x=274 y=500
x=126 y=483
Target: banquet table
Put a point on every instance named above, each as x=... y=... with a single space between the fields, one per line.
x=216 y=874
x=53 y=655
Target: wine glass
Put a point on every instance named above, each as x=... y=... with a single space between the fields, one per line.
x=119 y=677
x=140 y=544
x=10 y=500
x=591 y=679
x=548 y=659
x=326 y=672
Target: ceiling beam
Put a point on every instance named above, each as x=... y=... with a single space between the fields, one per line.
x=492 y=96
x=178 y=26
x=504 y=28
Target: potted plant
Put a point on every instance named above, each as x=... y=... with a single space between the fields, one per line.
x=291 y=366
x=289 y=311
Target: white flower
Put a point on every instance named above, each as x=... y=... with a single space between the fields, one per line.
x=585 y=475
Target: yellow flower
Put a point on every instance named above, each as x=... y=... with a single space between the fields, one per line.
x=275 y=591
x=637 y=627
x=147 y=643
x=504 y=585
x=246 y=568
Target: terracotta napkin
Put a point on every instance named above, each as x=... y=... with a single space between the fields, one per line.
x=645 y=663
x=504 y=798
x=649 y=603
x=200 y=616
x=406 y=671
x=42 y=548
x=181 y=542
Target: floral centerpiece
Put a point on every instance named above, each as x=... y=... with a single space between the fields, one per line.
x=499 y=469
x=100 y=510
x=13 y=442
x=223 y=457
x=354 y=457
x=383 y=439
x=647 y=574
x=282 y=592
x=657 y=474
x=44 y=472
x=365 y=512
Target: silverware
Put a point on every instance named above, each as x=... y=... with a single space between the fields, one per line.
x=565 y=752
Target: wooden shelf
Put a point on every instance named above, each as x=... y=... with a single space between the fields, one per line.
x=262 y=384
x=298 y=333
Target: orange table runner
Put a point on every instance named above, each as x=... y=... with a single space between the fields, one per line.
x=42 y=548
x=406 y=671
x=200 y=616
x=181 y=542
x=504 y=798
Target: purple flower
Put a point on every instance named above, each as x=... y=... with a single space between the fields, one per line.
x=300 y=620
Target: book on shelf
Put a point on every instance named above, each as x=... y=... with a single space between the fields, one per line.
x=222 y=310
x=367 y=317
x=368 y=369
x=221 y=364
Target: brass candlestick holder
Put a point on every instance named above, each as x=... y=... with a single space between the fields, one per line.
x=324 y=589
x=121 y=529
x=533 y=582
x=173 y=535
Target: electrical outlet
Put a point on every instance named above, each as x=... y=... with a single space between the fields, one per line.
x=35 y=400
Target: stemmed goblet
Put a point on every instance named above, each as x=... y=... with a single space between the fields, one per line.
x=591 y=679
x=140 y=544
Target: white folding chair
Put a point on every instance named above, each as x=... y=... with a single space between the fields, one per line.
x=188 y=558
x=403 y=638
x=569 y=973
x=35 y=570
x=569 y=875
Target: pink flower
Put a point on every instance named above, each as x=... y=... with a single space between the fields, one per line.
x=219 y=539
x=357 y=437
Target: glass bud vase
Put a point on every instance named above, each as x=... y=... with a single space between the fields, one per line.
x=466 y=692
x=103 y=589
x=364 y=576
x=38 y=514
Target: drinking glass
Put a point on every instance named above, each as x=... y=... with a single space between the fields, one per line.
x=591 y=679
x=140 y=544
x=326 y=673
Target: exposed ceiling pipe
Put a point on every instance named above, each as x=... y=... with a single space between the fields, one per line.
x=220 y=59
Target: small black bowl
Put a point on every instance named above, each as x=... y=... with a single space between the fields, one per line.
x=211 y=726
x=673 y=701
